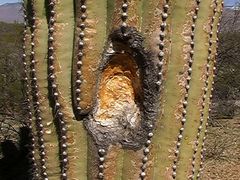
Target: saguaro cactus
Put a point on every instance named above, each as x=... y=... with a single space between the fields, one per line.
x=119 y=89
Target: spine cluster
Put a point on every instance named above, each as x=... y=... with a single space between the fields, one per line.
x=187 y=87
x=146 y=151
x=58 y=114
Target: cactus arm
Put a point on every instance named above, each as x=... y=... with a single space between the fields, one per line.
x=116 y=15
x=155 y=28
x=75 y=66
x=123 y=164
x=93 y=160
x=119 y=164
x=208 y=83
x=173 y=94
x=93 y=44
x=114 y=160
x=207 y=108
x=195 y=93
x=64 y=23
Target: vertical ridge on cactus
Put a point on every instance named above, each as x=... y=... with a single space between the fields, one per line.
x=120 y=88
x=26 y=60
x=218 y=10
x=208 y=84
x=72 y=137
x=36 y=93
x=178 y=33
x=89 y=40
x=196 y=102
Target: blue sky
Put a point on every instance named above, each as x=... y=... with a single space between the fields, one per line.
x=227 y=2
x=9 y=1
x=230 y=2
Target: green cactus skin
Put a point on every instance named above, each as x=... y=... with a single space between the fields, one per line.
x=164 y=162
x=164 y=140
x=76 y=137
x=195 y=93
x=50 y=135
x=58 y=42
x=207 y=109
x=38 y=150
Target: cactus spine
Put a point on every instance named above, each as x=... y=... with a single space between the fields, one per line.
x=162 y=53
x=26 y=78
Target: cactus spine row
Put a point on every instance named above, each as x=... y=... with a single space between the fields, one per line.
x=80 y=54
x=212 y=84
x=59 y=116
x=34 y=170
x=187 y=87
x=160 y=63
x=101 y=153
x=124 y=16
x=35 y=96
x=205 y=90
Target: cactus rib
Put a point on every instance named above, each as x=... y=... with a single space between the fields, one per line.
x=35 y=95
x=205 y=91
x=34 y=171
x=58 y=114
x=160 y=63
x=210 y=96
x=187 y=87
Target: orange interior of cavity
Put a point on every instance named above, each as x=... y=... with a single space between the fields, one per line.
x=119 y=86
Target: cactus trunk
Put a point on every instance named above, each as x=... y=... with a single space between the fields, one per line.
x=119 y=89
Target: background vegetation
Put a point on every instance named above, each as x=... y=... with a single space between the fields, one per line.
x=222 y=158
x=13 y=135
